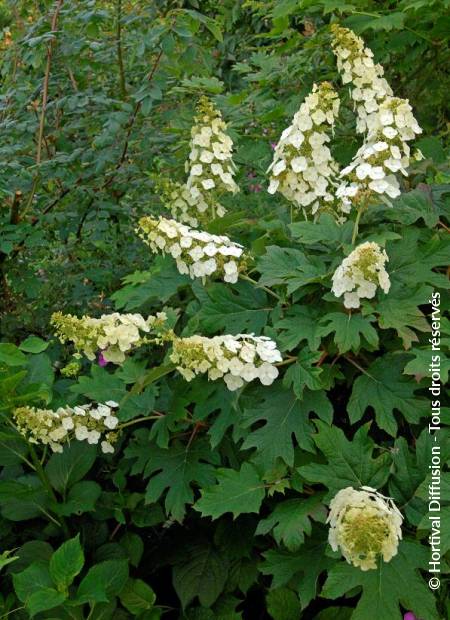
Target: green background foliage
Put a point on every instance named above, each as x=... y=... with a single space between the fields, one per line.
x=214 y=509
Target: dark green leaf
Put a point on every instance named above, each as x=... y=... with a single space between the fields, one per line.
x=349 y=463
x=291 y=520
x=392 y=584
x=240 y=309
x=102 y=582
x=203 y=574
x=33 y=344
x=11 y=355
x=66 y=563
x=68 y=467
x=137 y=596
x=348 y=329
x=384 y=388
x=237 y=492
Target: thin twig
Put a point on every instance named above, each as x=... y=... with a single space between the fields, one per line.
x=50 y=45
x=356 y=365
x=132 y=120
x=157 y=416
x=243 y=276
x=123 y=88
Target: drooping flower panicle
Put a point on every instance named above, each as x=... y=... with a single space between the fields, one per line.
x=365 y=526
x=303 y=169
x=112 y=334
x=210 y=166
x=385 y=152
x=197 y=253
x=357 y=68
x=359 y=275
x=388 y=122
x=91 y=423
x=236 y=359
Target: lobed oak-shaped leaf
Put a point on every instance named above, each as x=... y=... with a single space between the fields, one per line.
x=348 y=463
x=237 y=492
x=392 y=584
x=385 y=388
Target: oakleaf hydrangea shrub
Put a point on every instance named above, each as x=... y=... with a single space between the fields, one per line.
x=247 y=415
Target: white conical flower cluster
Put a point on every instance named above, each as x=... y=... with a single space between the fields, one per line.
x=357 y=68
x=384 y=152
x=210 y=165
x=360 y=274
x=91 y=423
x=112 y=335
x=303 y=168
x=364 y=525
x=236 y=359
x=197 y=253
x=387 y=120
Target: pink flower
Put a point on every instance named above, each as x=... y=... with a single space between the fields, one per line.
x=410 y=616
x=255 y=188
x=101 y=360
x=273 y=145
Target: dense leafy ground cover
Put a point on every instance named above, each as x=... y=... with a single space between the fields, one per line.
x=214 y=506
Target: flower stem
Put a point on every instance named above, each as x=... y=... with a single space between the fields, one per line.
x=356 y=226
x=243 y=276
x=46 y=483
x=289 y=360
x=137 y=420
